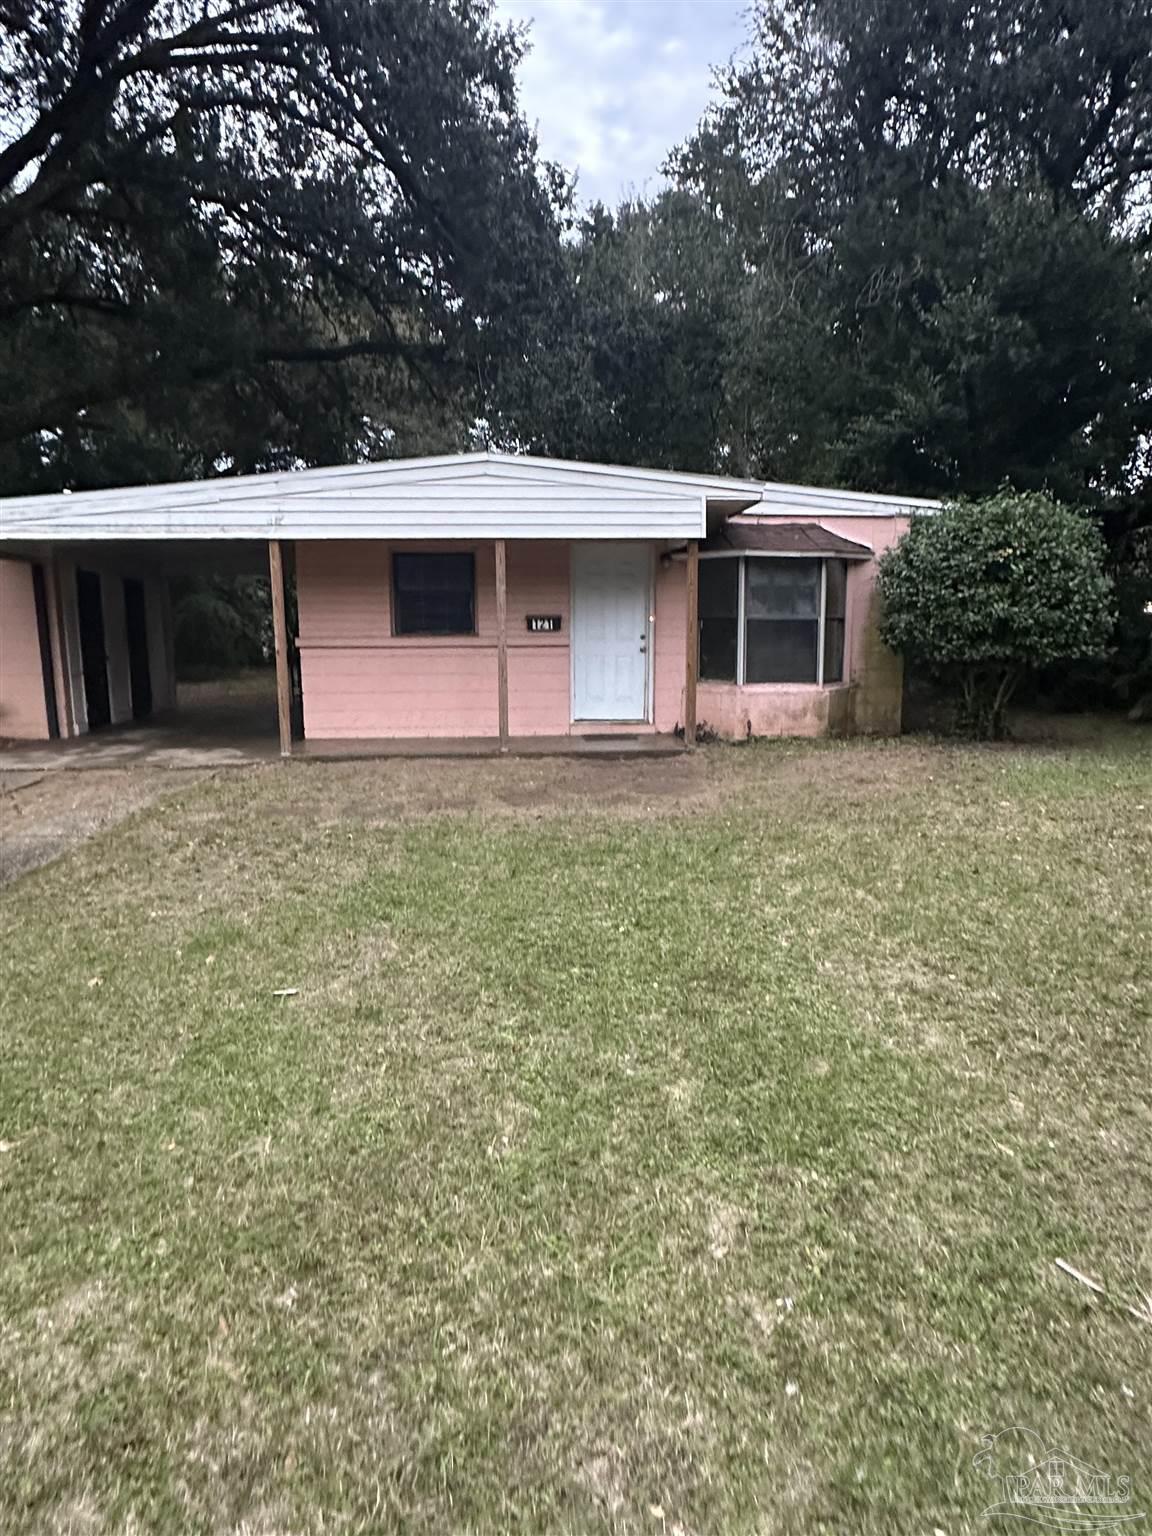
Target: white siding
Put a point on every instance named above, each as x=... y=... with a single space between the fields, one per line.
x=467 y=497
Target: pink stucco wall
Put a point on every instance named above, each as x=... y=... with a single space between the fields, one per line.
x=868 y=701
x=881 y=533
x=539 y=687
x=23 y=713
x=771 y=709
x=360 y=680
x=876 y=675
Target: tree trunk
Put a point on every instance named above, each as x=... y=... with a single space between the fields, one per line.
x=984 y=698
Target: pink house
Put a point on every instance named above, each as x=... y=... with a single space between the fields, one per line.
x=476 y=595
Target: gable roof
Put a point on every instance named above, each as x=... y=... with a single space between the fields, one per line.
x=469 y=495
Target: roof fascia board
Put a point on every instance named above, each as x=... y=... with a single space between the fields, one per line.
x=440 y=533
x=780 y=499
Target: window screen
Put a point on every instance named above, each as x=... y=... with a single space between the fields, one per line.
x=719 y=605
x=782 y=615
x=433 y=594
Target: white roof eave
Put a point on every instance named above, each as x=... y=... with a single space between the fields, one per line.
x=463 y=496
x=782 y=500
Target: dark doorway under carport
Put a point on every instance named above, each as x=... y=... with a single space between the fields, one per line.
x=139 y=668
x=93 y=649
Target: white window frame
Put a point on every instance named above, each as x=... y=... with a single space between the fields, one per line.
x=741 y=629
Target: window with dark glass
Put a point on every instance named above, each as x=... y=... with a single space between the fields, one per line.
x=835 y=594
x=782 y=618
x=793 y=616
x=719 y=617
x=433 y=594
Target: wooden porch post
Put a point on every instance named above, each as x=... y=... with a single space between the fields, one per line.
x=692 y=642
x=502 y=640
x=280 y=635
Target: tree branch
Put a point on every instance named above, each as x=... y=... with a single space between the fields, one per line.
x=93 y=88
x=18 y=418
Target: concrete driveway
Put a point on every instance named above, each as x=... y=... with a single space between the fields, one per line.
x=225 y=724
x=172 y=745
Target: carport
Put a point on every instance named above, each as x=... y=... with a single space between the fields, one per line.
x=86 y=630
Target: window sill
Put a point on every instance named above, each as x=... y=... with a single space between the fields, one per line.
x=758 y=688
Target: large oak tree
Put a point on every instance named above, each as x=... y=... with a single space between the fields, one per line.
x=235 y=235
x=944 y=214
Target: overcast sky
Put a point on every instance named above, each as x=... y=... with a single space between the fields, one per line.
x=612 y=85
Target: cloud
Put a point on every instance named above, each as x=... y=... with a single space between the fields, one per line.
x=613 y=87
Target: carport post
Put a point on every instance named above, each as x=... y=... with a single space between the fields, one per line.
x=280 y=636
x=65 y=710
x=502 y=642
x=691 y=642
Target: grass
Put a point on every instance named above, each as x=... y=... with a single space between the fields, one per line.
x=649 y=1147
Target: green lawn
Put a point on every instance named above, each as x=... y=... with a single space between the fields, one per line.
x=674 y=1146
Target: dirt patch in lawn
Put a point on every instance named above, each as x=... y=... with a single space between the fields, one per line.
x=378 y=792
x=44 y=815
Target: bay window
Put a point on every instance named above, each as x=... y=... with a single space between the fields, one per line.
x=772 y=620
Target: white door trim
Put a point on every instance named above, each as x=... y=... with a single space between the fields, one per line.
x=649 y=624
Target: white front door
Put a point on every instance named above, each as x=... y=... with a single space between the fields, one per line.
x=610 y=594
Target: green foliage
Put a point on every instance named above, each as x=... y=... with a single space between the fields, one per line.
x=221 y=624
x=943 y=273
x=985 y=591
x=242 y=236
x=1133 y=577
x=886 y=262
x=630 y=368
